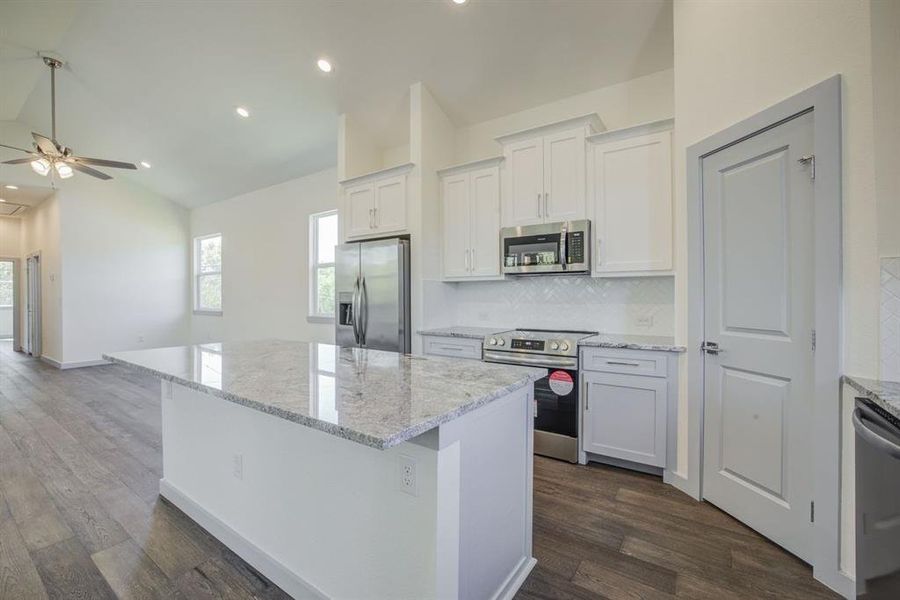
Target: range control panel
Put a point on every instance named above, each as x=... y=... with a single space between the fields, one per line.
x=537 y=345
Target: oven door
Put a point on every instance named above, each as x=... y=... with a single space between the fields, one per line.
x=556 y=415
x=551 y=248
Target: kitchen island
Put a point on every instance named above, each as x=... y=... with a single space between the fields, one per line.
x=352 y=473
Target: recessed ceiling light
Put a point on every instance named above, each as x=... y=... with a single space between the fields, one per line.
x=145 y=164
x=324 y=65
x=2 y=200
x=242 y=112
x=460 y=1
x=12 y=187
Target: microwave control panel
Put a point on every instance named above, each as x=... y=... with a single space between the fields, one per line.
x=576 y=247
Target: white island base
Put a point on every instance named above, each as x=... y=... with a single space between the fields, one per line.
x=325 y=517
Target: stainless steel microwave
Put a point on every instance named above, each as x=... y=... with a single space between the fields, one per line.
x=545 y=249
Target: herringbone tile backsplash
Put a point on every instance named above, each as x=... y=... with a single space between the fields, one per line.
x=890 y=319
x=638 y=305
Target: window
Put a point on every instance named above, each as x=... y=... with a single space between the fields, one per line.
x=208 y=274
x=6 y=284
x=323 y=237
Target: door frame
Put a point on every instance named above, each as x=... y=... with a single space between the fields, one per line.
x=16 y=315
x=38 y=317
x=824 y=99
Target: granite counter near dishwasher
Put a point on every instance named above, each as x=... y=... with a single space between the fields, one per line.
x=885 y=394
x=603 y=340
x=381 y=398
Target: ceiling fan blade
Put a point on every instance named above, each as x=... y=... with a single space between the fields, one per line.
x=89 y=171
x=18 y=161
x=102 y=162
x=45 y=144
x=14 y=148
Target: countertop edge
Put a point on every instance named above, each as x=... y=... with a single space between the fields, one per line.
x=448 y=332
x=874 y=395
x=331 y=428
x=633 y=346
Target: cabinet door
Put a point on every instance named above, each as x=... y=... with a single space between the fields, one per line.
x=485 y=222
x=564 y=176
x=360 y=203
x=524 y=183
x=625 y=417
x=390 y=204
x=632 y=189
x=456 y=218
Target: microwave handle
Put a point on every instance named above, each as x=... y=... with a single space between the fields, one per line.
x=563 y=242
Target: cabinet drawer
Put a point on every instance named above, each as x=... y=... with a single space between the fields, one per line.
x=629 y=362
x=449 y=346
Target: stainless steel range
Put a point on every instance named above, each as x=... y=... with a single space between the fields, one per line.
x=556 y=428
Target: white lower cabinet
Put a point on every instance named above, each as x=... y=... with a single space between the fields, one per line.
x=452 y=346
x=625 y=414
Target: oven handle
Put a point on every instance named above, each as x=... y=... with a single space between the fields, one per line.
x=510 y=358
x=881 y=443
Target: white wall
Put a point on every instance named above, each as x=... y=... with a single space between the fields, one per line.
x=647 y=98
x=125 y=269
x=41 y=233
x=734 y=59
x=886 y=82
x=265 y=250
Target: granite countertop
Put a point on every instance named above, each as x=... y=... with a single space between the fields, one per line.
x=885 y=394
x=375 y=398
x=633 y=342
x=475 y=333
x=604 y=340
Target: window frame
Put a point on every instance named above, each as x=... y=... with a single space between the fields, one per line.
x=197 y=274
x=314 y=266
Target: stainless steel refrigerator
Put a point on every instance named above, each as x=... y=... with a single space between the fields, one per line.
x=372 y=289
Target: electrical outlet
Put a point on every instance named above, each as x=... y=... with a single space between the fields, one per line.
x=237 y=466
x=408 y=483
x=645 y=321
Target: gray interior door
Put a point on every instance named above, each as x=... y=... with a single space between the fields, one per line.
x=383 y=269
x=758 y=277
x=33 y=306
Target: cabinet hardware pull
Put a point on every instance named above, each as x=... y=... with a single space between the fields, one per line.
x=599 y=254
x=467 y=259
x=473 y=260
x=539 y=204
x=623 y=363
x=370 y=218
x=546 y=204
x=375 y=217
x=587 y=401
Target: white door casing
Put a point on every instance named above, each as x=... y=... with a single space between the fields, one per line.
x=758 y=287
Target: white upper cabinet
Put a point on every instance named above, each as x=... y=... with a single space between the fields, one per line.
x=544 y=177
x=630 y=189
x=564 y=180
x=375 y=204
x=470 y=216
x=524 y=185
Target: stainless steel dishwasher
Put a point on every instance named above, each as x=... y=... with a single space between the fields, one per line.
x=877 y=502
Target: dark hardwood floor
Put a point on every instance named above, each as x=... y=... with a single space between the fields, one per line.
x=80 y=518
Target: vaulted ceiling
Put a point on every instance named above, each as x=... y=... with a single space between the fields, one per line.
x=159 y=81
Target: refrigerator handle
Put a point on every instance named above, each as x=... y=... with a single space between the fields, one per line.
x=355 y=309
x=364 y=314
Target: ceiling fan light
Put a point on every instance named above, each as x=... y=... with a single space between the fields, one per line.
x=41 y=166
x=64 y=170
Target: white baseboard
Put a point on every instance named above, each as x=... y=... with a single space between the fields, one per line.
x=279 y=574
x=51 y=361
x=77 y=364
x=515 y=580
x=681 y=483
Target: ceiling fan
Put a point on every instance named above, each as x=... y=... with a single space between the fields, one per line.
x=49 y=155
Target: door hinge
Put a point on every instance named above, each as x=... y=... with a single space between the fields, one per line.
x=812 y=511
x=811 y=159
x=813 y=340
